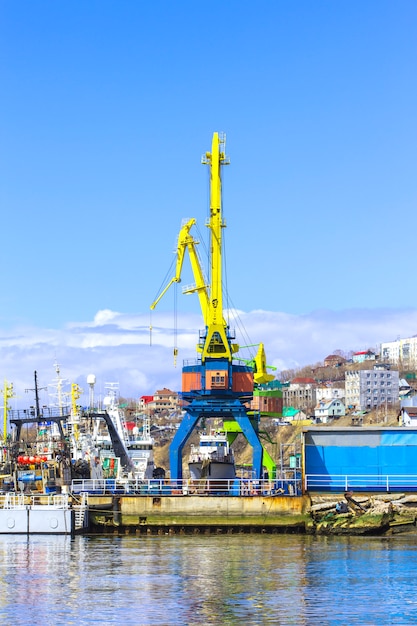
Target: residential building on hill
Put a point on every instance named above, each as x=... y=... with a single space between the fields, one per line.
x=291 y=414
x=402 y=352
x=334 y=360
x=408 y=412
x=330 y=391
x=267 y=401
x=365 y=355
x=371 y=388
x=329 y=409
x=163 y=400
x=300 y=393
x=143 y=403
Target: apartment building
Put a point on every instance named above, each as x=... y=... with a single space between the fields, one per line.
x=368 y=389
x=300 y=393
x=402 y=352
x=330 y=391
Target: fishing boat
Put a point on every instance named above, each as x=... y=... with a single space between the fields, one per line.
x=213 y=458
x=25 y=513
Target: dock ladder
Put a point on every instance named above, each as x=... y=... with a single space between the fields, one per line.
x=81 y=513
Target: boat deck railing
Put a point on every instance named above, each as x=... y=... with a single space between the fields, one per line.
x=360 y=482
x=45 y=413
x=188 y=487
x=23 y=501
x=197 y=457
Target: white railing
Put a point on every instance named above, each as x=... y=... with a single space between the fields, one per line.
x=364 y=482
x=23 y=501
x=188 y=487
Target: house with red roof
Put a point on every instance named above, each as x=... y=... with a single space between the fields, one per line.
x=365 y=355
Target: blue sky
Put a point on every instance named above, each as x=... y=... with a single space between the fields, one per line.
x=106 y=109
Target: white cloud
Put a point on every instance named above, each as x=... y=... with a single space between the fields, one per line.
x=119 y=347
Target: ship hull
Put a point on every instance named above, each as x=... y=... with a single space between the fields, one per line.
x=213 y=469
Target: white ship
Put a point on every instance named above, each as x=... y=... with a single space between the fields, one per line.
x=212 y=458
x=112 y=447
x=137 y=443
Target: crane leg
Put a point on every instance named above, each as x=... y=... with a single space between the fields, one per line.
x=182 y=435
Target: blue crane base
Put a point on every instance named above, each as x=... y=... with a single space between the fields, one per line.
x=225 y=409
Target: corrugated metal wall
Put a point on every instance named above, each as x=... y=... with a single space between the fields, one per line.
x=351 y=451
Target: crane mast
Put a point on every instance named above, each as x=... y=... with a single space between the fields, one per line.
x=217 y=341
x=215 y=160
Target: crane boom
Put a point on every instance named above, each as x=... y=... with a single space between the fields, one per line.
x=216 y=341
x=187 y=242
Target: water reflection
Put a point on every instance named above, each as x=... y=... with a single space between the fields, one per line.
x=193 y=580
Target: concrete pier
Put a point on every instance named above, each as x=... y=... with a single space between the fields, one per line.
x=182 y=513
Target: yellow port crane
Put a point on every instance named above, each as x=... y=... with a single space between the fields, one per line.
x=214 y=386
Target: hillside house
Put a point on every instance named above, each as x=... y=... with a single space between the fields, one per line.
x=291 y=414
x=143 y=403
x=361 y=357
x=329 y=410
x=164 y=401
x=334 y=360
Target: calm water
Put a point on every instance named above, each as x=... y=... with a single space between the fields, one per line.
x=245 y=579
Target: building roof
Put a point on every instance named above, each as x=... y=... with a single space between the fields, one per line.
x=165 y=392
x=335 y=357
x=325 y=404
x=363 y=352
x=290 y=411
x=303 y=381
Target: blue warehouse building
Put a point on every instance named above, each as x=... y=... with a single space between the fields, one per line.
x=360 y=459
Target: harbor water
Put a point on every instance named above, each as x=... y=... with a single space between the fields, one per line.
x=208 y=579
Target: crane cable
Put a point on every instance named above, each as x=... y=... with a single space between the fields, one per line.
x=175 y=325
x=164 y=282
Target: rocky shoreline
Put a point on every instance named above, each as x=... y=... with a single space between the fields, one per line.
x=364 y=514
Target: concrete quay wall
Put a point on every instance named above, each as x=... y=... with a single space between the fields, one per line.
x=143 y=512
